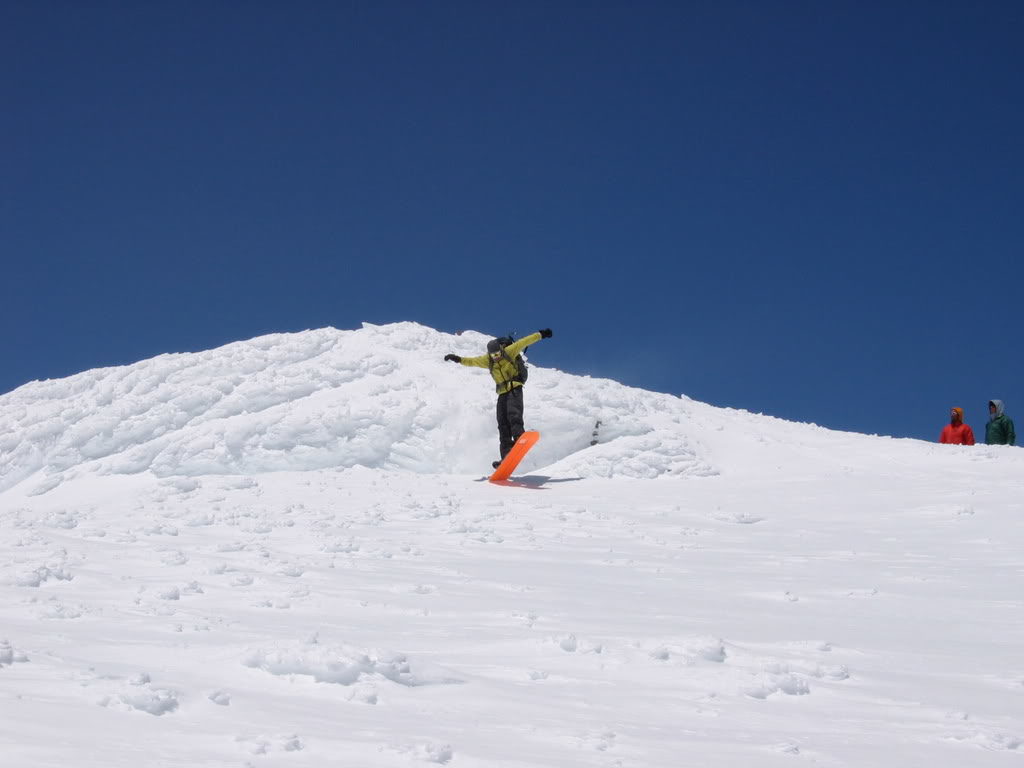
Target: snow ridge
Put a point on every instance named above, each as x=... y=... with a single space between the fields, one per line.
x=380 y=397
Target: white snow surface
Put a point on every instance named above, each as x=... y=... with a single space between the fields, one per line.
x=281 y=553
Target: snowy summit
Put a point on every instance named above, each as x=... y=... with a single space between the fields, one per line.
x=281 y=552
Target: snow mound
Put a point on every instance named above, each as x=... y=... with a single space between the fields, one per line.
x=138 y=694
x=339 y=664
x=657 y=453
x=379 y=397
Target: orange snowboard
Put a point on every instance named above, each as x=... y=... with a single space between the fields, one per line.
x=511 y=461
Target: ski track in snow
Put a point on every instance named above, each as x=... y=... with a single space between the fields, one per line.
x=276 y=553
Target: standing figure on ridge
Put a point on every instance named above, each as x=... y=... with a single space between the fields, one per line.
x=506 y=365
x=999 y=430
x=956 y=432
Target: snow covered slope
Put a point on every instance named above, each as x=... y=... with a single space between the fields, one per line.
x=277 y=553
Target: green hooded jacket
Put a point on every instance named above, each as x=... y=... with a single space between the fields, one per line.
x=999 y=430
x=504 y=370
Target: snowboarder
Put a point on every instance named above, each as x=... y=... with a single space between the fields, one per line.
x=956 y=432
x=999 y=430
x=506 y=367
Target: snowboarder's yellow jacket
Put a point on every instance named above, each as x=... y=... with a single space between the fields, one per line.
x=503 y=371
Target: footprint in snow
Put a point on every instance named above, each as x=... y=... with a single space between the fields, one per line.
x=262 y=745
x=61 y=519
x=781 y=680
x=10 y=655
x=364 y=694
x=174 y=557
x=859 y=593
x=840 y=672
x=993 y=741
x=40 y=575
x=788 y=748
x=602 y=741
x=571 y=644
x=201 y=520
x=220 y=698
x=55 y=609
x=430 y=753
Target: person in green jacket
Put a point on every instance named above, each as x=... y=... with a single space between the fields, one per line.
x=999 y=430
x=501 y=361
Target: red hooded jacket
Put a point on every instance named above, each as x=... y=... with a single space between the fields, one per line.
x=957 y=434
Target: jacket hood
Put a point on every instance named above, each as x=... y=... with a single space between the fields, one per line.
x=959 y=414
x=999 y=407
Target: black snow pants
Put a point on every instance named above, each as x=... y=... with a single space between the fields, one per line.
x=510 y=419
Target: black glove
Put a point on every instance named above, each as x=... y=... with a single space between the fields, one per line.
x=545 y=333
x=453 y=358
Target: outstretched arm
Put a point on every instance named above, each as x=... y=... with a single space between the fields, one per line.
x=475 y=362
x=514 y=349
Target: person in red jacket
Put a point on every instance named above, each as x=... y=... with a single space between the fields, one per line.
x=956 y=432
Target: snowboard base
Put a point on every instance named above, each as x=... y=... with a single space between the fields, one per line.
x=525 y=442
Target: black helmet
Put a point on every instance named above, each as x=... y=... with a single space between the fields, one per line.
x=493 y=346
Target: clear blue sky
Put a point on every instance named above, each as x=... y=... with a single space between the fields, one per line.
x=811 y=209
